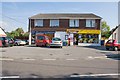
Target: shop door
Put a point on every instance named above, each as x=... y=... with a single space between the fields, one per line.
x=76 y=38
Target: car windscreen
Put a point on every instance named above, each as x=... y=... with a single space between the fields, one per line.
x=56 y=39
x=18 y=40
x=2 y=38
x=40 y=37
x=110 y=41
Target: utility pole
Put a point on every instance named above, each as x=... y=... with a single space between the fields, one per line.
x=30 y=32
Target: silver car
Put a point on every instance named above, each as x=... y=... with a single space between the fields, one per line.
x=19 y=42
x=56 y=42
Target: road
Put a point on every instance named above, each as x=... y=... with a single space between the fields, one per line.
x=44 y=62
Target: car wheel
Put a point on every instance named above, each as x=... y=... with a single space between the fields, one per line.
x=46 y=45
x=61 y=47
x=37 y=46
x=16 y=44
x=107 y=48
x=116 y=48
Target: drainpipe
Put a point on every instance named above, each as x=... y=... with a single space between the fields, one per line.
x=30 y=33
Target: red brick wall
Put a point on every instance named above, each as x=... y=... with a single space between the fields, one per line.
x=46 y=23
x=63 y=25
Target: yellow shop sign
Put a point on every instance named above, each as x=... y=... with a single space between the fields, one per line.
x=84 y=31
x=89 y=32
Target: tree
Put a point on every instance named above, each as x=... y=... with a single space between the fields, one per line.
x=105 y=30
x=14 y=34
x=26 y=34
x=19 y=31
x=8 y=34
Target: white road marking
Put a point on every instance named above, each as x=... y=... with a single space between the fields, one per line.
x=55 y=49
x=9 y=77
x=71 y=59
x=6 y=59
x=89 y=75
x=28 y=59
x=49 y=59
x=98 y=57
x=89 y=58
x=102 y=57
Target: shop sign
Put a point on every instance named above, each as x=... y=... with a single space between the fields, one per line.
x=89 y=32
x=83 y=31
x=72 y=30
x=45 y=32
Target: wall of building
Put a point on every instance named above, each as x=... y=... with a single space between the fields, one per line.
x=60 y=34
x=63 y=25
x=2 y=33
x=116 y=34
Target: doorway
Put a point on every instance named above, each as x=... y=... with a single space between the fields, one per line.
x=76 y=38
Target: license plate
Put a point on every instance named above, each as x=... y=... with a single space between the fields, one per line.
x=108 y=44
x=40 y=40
x=55 y=42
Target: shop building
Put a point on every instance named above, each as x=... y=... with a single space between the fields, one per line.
x=83 y=29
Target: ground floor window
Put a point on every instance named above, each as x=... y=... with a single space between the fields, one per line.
x=88 y=38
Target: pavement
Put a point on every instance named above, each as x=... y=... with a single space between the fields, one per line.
x=42 y=62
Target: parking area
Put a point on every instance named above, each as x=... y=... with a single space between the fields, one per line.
x=57 y=62
x=46 y=52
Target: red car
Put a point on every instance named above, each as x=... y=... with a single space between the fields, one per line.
x=42 y=40
x=4 y=42
x=113 y=45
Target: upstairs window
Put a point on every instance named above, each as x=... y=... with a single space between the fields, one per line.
x=39 y=22
x=74 y=23
x=54 y=23
x=90 y=23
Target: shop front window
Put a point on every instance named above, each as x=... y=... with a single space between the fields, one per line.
x=88 y=38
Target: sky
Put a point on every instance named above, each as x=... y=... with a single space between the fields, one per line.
x=16 y=14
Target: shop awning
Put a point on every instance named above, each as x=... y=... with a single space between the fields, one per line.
x=84 y=31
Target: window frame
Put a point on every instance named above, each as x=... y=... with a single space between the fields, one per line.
x=75 y=23
x=91 y=23
x=37 y=20
x=52 y=21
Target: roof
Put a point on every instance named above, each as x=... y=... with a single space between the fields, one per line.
x=115 y=28
x=2 y=33
x=65 y=16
